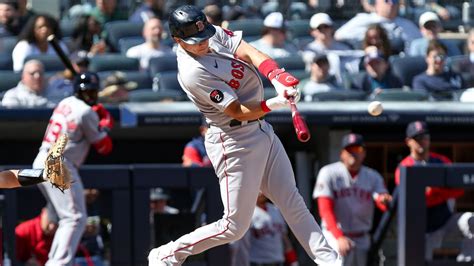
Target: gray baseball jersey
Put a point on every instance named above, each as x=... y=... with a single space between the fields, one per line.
x=81 y=123
x=266 y=235
x=247 y=159
x=353 y=197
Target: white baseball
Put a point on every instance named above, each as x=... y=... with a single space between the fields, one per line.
x=375 y=108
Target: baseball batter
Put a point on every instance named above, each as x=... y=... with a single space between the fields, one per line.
x=85 y=123
x=216 y=69
x=345 y=191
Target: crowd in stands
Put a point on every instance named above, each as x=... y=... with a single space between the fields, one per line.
x=362 y=55
x=389 y=45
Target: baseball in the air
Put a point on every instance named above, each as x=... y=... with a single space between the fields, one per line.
x=375 y=108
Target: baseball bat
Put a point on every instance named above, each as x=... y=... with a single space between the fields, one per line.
x=302 y=132
x=59 y=51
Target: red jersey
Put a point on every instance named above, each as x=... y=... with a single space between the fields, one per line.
x=30 y=241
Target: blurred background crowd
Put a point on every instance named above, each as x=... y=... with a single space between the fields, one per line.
x=340 y=50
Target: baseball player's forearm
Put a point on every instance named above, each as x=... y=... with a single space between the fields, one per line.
x=8 y=179
x=326 y=212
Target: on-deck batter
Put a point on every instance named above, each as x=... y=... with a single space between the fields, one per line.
x=216 y=70
x=85 y=123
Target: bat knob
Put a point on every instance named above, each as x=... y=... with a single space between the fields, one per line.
x=50 y=37
x=304 y=136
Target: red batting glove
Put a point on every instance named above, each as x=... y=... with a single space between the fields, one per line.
x=106 y=121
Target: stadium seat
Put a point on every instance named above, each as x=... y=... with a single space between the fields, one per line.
x=6 y=62
x=167 y=81
x=8 y=79
x=162 y=64
x=342 y=95
x=251 y=27
x=67 y=27
x=401 y=95
x=406 y=68
x=117 y=30
x=51 y=63
x=128 y=42
x=7 y=44
x=154 y=96
x=110 y=62
x=298 y=28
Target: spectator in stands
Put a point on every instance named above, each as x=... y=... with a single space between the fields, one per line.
x=377 y=36
x=386 y=13
x=34 y=237
x=33 y=40
x=441 y=84
x=106 y=11
x=273 y=41
x=159 y=202
x=440 y=219
x=91 y=248
x=31 y=90
x=266 y=242
x=152 y=47
x=116 y=88
x=214 y=14
x=60 y=85
x=87 y=36
x=378 y=75
x=9 y=20
x=320 y=80
x=445 y=12
x=147 y=10
x=430 y=28
x=24 y=12
x=194 y=153
x=322 y=31
x=345 y=193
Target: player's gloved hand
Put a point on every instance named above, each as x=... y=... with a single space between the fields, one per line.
x=275 y=103
x=106 y=121
x=283 y=82
x=296 y=95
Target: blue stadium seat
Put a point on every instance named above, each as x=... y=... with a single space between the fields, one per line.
x=67 y=27
x=154 y=96
x=252 y=28
x=298 y=28
x=8 y=79
x=406 y=68
x=7 y=44
x=401 y=95
x=51 y=63
x=6 y=61
x=167 y=81
x=128 y=42
x=111 y=62
x=117 y=30
x=342 y=95
x=163 y=64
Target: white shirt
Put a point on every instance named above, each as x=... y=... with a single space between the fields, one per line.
x=23 y=97
x=398 y=27
x=23 y=49
x=144 y=52
x=275 y=52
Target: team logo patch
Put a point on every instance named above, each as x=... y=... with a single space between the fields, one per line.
x=216 y=96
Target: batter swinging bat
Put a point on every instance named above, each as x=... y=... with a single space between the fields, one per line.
x=301 y=128
x=55 y=44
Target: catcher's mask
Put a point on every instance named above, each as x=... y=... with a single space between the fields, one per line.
x=190 y=24
x=86 y=87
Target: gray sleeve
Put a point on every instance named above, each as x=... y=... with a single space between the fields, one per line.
x=354 y=28
x=207 y=88
x=90 y=127
x=322 y=188
x=229 y=39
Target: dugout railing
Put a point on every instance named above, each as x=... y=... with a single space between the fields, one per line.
x=412 y=208
x=130 y=191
